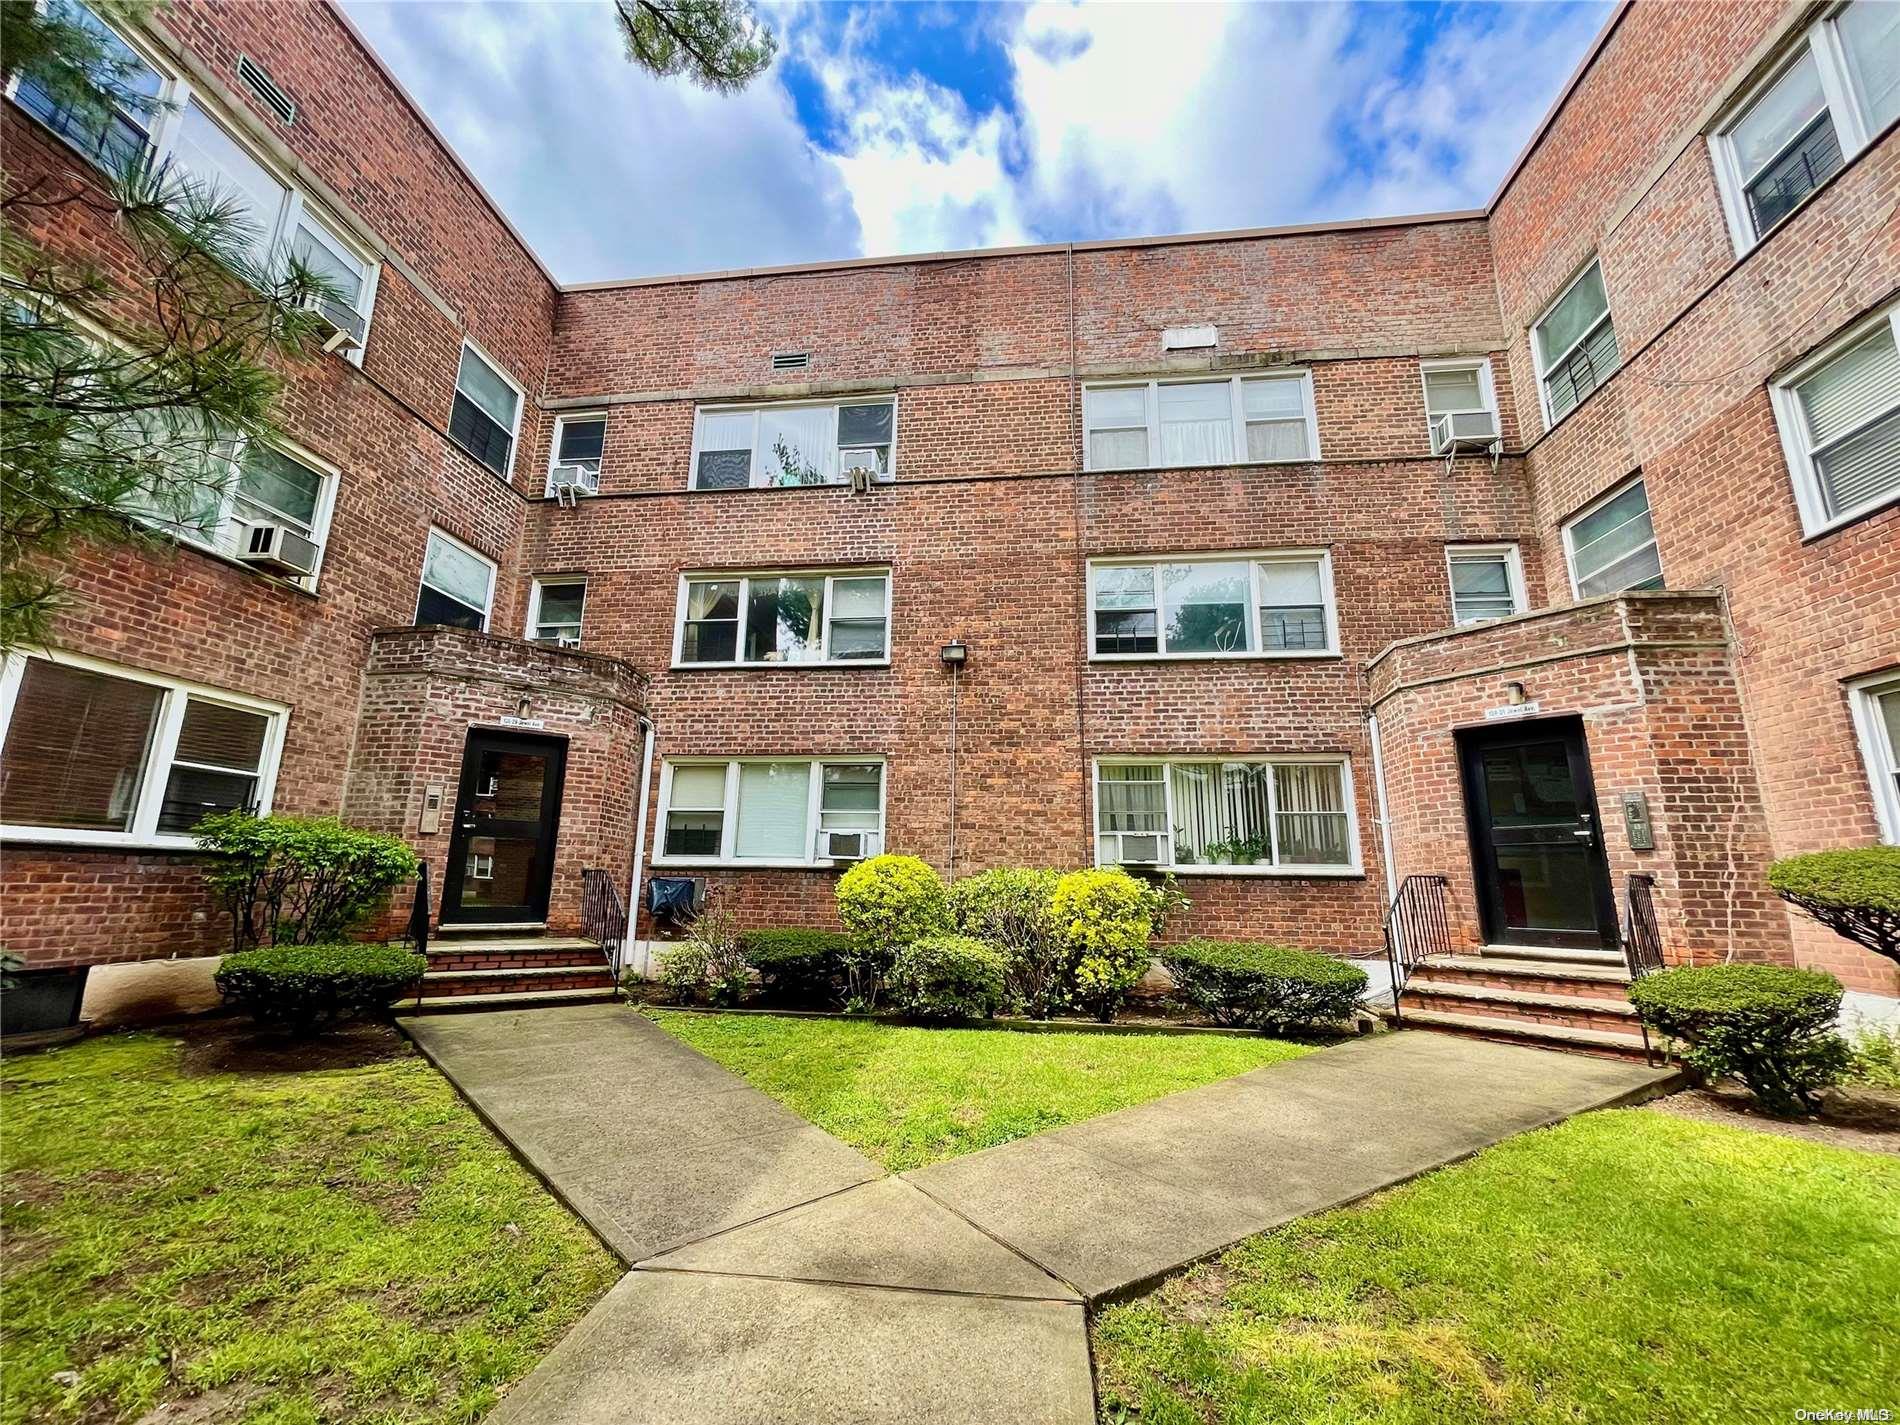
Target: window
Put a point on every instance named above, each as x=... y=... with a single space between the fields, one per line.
x=223 y=168
x=1487 y=582
x=1797 y=128
x=578 y=441
x=1575 y=343
x=1839 y=414
x=1612 y=545
x=259 y=485
x=771 y=811
x=1876 y=706
x=1291 y=815
x=486 y=413
x=351 y=275
x=107 y=755
x=1277 y=604
x=754 y=447
x=118 y=138
x=771 y=618
x=458 y=585
x=1460 y=402
x=1153 y=424
x=554 y=611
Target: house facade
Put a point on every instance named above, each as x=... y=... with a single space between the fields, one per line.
x=1539 y=547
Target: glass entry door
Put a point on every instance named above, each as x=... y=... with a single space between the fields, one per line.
x=501 y=856
x=1536 y=840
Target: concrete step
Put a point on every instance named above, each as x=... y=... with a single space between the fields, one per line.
x=1593 y=974
x=1524 y=976
x=1555 y=955
x=1607 y=1043
x=1526 y=1006
x=440 y=983
x=465 y=928
x=513 y=954
x=514 y=999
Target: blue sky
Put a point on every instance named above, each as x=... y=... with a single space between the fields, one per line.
x=913 y=127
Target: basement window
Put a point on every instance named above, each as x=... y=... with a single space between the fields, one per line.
x=1839 y=413
x=98 y=754
x=1806 y=120
x=762 y=811
x=1234 y=816
x=487 y=411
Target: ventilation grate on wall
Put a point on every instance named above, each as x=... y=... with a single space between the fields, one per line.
x=267 y=89
x=790 y=360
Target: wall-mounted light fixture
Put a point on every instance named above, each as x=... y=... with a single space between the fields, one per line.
x=955 y=653
x=524 y=706
x=1515 y=693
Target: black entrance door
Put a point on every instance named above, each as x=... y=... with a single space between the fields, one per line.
x=501 y=856
x=1536 y=839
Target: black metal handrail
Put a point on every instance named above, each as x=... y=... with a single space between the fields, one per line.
x=1417 y=927
x=604 y=916
x=1642 y=937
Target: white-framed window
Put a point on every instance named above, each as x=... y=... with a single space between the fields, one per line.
x=793 y=443
x=1487 y=582
x=97 y=754
x=1839 y=414
x=770 y=811
x=1271 y=815
x=1248 y=604
x=1610 y=545
x=773 y=617
x=185 y=135
x=1574 y=342
x=1812 y=114
x=486 y=415
x=574 y=453
x=1141 y=425
x=1876 y=705
x=260 y=485
x=1460 y=401
x=555 y=607
x=458 y=584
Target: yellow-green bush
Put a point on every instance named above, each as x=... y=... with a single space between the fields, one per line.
x=886 y=903
x=1104 y=916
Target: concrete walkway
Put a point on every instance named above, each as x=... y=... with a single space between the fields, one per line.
x=778 y=1276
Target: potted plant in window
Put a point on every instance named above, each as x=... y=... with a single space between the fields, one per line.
x=1184 y=852
x=1256 y=850
x=1220 y=853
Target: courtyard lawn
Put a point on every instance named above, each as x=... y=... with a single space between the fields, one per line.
x=1627 y=1266
x=910 y=1096
x=281 y=1244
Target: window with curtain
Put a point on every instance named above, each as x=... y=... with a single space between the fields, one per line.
x=755 y=447
x=1484 y=583
x=457 y=584
x=767 y=619
x=1212 y=607
x=768 y=810
x=106 y=756
x=1840 y=423
x=1215 y=813
x=1177 y=424
x=1613 y=546
x=1576 y=344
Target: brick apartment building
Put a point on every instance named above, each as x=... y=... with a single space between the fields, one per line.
x=1538 y=547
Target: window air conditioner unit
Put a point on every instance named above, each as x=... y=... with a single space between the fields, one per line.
x=1463 y=430
x=340 y=327
x=1138 y=848
x=860 y=468
x=568 y=640
x=847 y=845
x=574 y=480
x=278 y=550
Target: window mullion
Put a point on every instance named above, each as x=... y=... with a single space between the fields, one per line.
x=758 y=471
x=814 y=803
x=729 y=815
x=1237 y=414
x=1256 y=635
x=1153 y=406
x=158 y=760
x=1167 y=809
x=1273 y=810
x=1161 y=613
x=1837 y=85
x=744 y=616
x=824 y=623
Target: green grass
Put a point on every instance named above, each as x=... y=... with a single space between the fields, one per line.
x=1625 y=1266
x=908 y=1096
x=323 y=1244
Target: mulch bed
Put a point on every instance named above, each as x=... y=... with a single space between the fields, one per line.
x=1852 y=1115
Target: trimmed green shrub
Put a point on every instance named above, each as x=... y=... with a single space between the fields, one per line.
x=1259 y=986
x=886 y=903
x=295 y=880
x=1853 y=893
x=708 y=967
x=303 y=987
x=1771 y=1026
x=943 y=979
x=798 y=967
x=1009 y=910
x=1102 y=918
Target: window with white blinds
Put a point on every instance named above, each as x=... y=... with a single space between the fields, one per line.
x=98 y=754
x=1837 y=87
x=1267 y=815
x=1840 y=424
x=1612 y=545
x=1876 y=705
x=766 y=811
x=1175 y=424
x=1487 y=582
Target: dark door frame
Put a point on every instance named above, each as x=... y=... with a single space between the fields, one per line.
x=1473 y=740
x=478 y=740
